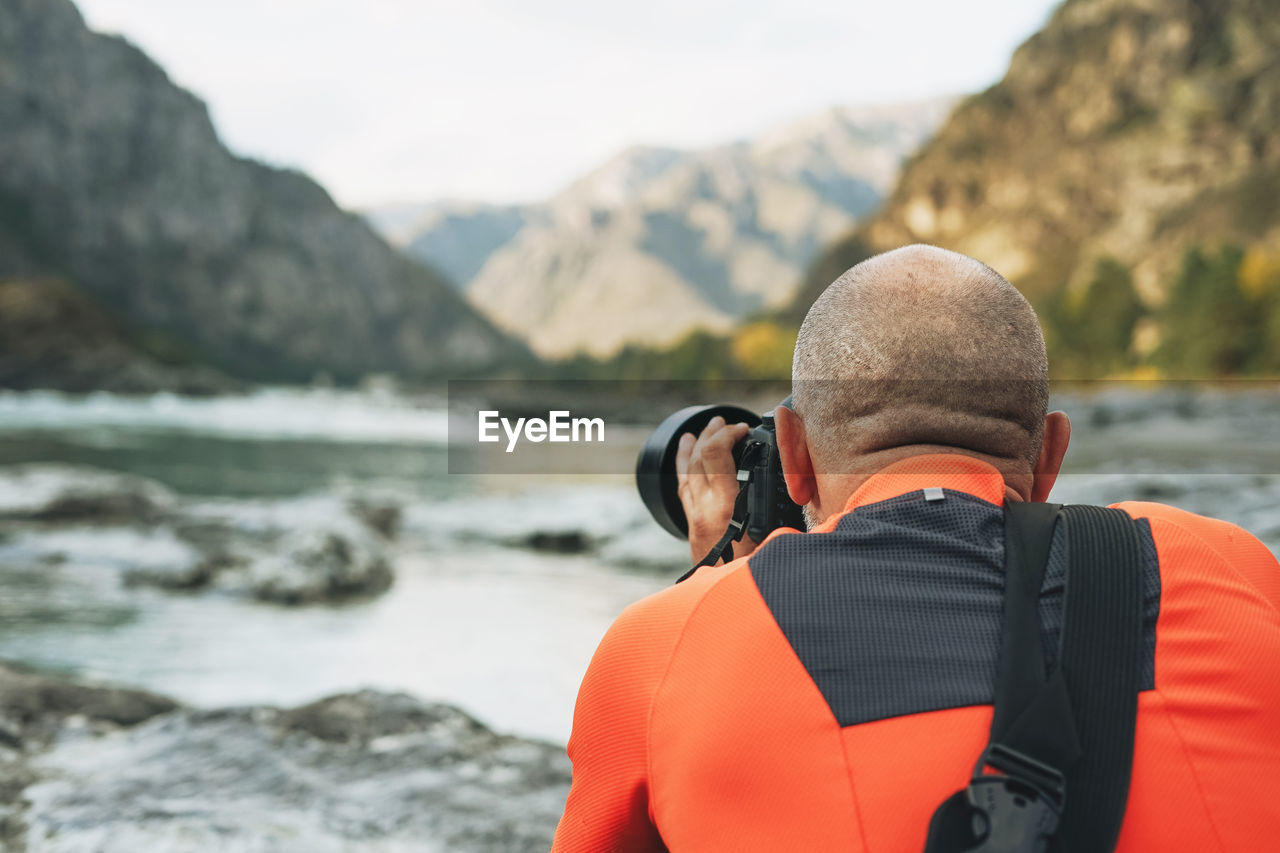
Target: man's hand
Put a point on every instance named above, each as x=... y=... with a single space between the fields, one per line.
x=708 y=485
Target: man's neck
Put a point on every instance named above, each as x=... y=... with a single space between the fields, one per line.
x=835 y=490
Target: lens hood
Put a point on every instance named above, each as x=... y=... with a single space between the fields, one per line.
x=656 y=464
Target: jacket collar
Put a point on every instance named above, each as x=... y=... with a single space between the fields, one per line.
x=928 y=470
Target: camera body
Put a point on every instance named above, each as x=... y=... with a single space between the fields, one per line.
x=768 y=505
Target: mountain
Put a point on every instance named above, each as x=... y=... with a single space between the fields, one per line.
x=113 y=179
x=1123 y=134
x=453 y=237
x=659 y=241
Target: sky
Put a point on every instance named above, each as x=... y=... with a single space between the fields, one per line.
x=391 y=101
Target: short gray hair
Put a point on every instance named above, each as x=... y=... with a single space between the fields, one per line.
x=921 y=345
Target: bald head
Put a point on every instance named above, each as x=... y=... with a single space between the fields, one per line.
x=921 y=346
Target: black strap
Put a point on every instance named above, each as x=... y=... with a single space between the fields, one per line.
x=1032 y=715
x=737 y=521
x=737 y=526
x=1064 y=737
x=990 y=815
x=1028 y=533
x=1100 y=653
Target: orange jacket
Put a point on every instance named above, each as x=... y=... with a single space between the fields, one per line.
x=700 y=727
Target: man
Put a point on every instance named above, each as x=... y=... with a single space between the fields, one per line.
x=828 y=690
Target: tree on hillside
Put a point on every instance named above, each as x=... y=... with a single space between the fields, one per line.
x=1090 y=334
x=763 y=350
x=1259 y=277
x=1210 y=326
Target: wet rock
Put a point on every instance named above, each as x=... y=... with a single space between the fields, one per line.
x=186 y=576
x=1167 y=490
x=559 y=541
x=362 y=717
x=328 y=558
x=14 y=778
x=63 y=493
x=367 y=772
x=381 y=517
x=30 y=701
x=301 y=551
x=151 y=556
x=320 y=564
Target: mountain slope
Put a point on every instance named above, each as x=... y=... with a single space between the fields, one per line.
x=1125 y=129
x=113 y=178
x=457 y=241
x=453 y=237
x=659 y=241
x=53 y=336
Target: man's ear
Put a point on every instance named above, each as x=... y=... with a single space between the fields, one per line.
x=797 y=465
x=1057 y=434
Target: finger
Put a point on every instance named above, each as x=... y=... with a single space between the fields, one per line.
x=727 y=437
x=713 y=454
x=716 y=453
x=712 y=427
x=684 y=451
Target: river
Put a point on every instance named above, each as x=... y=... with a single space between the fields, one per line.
x=477 y=616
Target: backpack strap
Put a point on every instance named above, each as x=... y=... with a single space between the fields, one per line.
x=1069 y=729
x=1100 y=656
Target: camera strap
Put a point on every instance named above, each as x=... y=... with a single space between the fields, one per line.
x=1070 y=731
x=738 y=520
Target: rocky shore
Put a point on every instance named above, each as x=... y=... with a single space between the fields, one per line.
x=113 y=770
x=53 y=514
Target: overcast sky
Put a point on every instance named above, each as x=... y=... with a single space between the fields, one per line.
x=508 y=100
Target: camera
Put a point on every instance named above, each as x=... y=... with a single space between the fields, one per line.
x=763 y=504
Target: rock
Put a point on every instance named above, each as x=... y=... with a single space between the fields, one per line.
x=360 y=718
x=190 y=575
x=152 y=556
x=64 y=493
x=289 y=552
x=380 y=516
x=1166 y=490
x=369 y=771
x=14 y=778
x=30 y=701
x=559 y=541
x=321 y=564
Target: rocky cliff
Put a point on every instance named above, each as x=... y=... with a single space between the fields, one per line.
x=113 y=178
x=1125 y=129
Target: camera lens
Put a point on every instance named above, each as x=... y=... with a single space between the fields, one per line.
x=656 y=464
